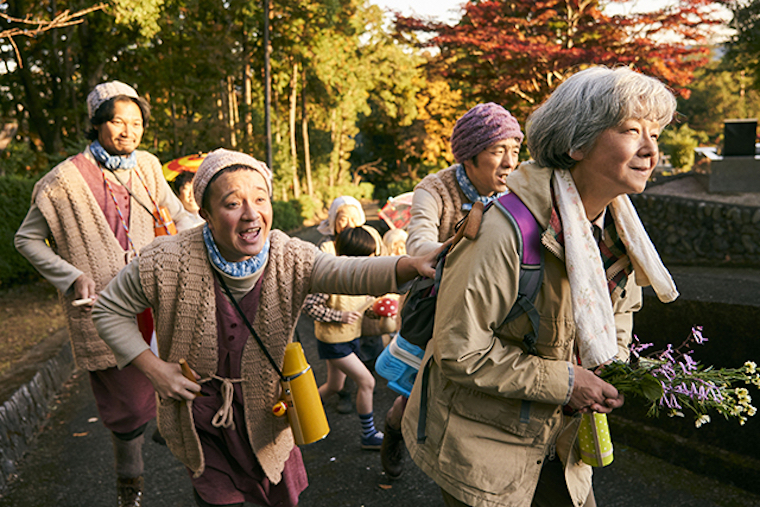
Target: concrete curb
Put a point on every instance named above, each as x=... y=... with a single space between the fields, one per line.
x=26 y=411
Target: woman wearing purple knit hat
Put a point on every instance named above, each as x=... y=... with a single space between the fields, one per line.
x=486 y=143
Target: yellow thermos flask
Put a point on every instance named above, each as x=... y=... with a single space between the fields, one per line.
x=301 y=400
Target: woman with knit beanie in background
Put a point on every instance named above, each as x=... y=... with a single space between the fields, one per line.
x=235 y=449
x=98 y=208
x=486 y=144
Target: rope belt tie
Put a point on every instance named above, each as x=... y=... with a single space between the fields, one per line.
x=223 y=417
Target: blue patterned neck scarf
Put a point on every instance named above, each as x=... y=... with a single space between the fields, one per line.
x=471 y=192
x=113 y=162
x=234 y=269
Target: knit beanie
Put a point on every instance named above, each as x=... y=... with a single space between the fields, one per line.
x=105 y=91
x=220 y=159
x=480 y=127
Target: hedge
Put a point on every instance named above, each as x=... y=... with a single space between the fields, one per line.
x=15 y=197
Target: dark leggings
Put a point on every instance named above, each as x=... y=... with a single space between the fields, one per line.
x=202 y=503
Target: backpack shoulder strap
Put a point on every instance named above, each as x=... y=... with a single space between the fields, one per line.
x=531 y=262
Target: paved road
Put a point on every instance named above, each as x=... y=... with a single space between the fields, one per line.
x=71 y=466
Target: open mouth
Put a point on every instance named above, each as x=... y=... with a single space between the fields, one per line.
x=250 y=235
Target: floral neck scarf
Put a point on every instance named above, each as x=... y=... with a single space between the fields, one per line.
x=112 y=162
x=471 y=192
x=234 y=269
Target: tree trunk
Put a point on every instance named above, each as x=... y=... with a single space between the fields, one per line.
x=267 y=85
x=231 y=110
x=292 y=127
x=333 y=137
x=305 y=134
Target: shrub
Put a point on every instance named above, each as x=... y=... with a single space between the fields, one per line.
x=286 y=215
x=310 y=207
x=678 y=144
x=362 y=192
x=15 y=196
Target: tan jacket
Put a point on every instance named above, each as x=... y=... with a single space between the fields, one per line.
x=495 y=411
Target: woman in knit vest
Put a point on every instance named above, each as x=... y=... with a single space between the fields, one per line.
x=235 y=449
x=98 y=207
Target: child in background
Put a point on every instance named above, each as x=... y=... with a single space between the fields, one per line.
x=395 y=241
x=183 y=187
x=337 y=326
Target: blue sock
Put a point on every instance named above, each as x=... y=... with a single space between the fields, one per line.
x=368 y=425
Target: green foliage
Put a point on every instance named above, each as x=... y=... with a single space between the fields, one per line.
x=15 y=196
x=142 y=13
x=19 y=159
x=363 y=191
x=309 y=207
x=286 y=215
x=678 y=144
x=394 y=189
x=716 y=94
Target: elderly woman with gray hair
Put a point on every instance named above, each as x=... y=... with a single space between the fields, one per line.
x=501 y=418
x=205 y=285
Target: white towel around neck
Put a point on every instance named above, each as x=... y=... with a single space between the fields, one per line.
x=592 y=306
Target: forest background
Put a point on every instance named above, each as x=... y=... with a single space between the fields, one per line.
x=363 y=102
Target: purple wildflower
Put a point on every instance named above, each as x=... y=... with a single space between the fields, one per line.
x=696 y=331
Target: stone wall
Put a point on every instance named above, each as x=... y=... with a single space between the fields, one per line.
x=688 y=231
x=24 y=413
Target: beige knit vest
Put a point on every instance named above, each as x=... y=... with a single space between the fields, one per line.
x=177 y=279
x=84 y=239
x=338 y=332
x=444 y=188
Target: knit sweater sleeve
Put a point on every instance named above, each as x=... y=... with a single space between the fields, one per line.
x=423 y=224
x=30 y=242
x=115 y=311
x=353 y=275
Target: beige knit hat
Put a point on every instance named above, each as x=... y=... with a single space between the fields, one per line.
x=105 y=91
x=218 y=160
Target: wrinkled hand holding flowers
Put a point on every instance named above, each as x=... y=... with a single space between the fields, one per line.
x=671 y=380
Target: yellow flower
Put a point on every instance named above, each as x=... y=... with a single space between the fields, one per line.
x=756 y=380
x=751 y=410
x=736 y=410
x=703 y=419
x=750 y=366
x=742 y=420
x=741 y=392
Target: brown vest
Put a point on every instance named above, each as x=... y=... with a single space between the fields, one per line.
x=177 y=279
x=84 y=238
x=444 y=188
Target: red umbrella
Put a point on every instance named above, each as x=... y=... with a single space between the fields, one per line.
x=189 y=163
x=396 y=212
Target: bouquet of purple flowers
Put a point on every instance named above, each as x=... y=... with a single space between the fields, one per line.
x=671 y=380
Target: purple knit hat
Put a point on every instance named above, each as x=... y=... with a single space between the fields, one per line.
x=480 y=127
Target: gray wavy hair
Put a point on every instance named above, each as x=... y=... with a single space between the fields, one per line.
x=590 y=102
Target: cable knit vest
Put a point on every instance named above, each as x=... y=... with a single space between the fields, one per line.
x=444 y=188
x=84 y=239
x=176 y=277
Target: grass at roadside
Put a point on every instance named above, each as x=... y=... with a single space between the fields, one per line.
x=28 y=314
